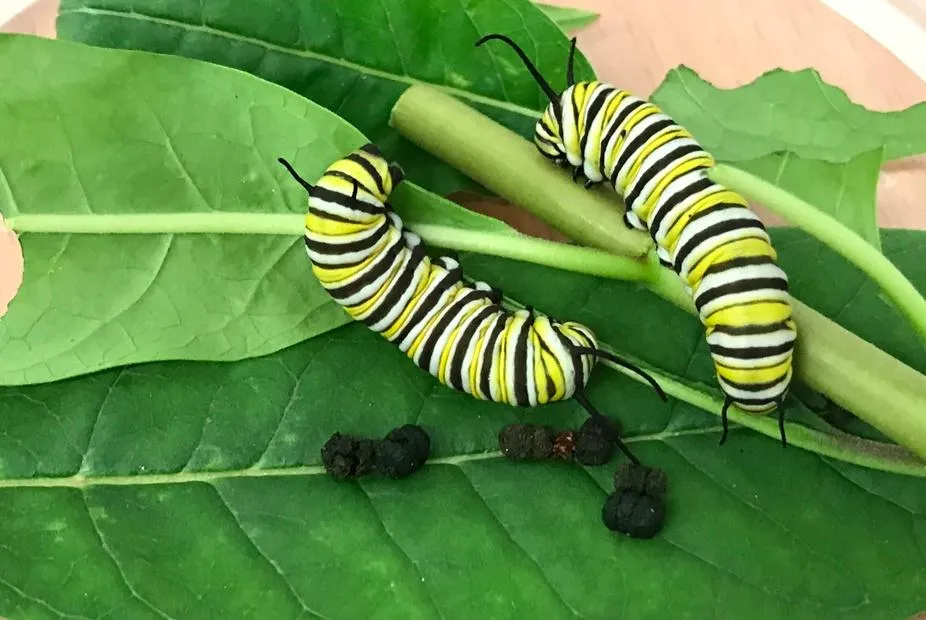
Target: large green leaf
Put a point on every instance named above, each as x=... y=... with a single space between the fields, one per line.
x=352 y=57
x=188 y=489
x=120 y=132
x=787 y=111
x=847 y=191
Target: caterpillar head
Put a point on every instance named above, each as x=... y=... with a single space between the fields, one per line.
x=375 y=170
x=548 y=132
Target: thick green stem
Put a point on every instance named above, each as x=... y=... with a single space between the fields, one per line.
x=840 y=446
x=506 y=245
x=529 y=181
x=833 y=233
x=876 y=387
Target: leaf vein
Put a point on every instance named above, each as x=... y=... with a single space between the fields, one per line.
x=520 y=547
x=112 y=556
x=402 y=552
x=265 y=557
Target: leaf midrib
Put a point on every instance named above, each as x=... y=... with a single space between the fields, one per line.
x=346 y=64
x=78 y=481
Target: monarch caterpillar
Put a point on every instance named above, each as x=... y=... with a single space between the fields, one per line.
x=705 y=232
x=458 y=332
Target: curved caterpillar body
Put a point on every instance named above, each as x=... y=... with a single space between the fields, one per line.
x=457 y=331
x=705 y=232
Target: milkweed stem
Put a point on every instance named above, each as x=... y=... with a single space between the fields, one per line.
x=834 y=234
x=851 y=372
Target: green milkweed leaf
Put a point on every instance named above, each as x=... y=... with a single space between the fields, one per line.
x=192 y=489
x=353 y=58
x=848 y=191
x=792 y=111
x=569 y=18
x=121 y=132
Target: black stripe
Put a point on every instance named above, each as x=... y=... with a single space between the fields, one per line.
x=612 y=128
x=370 y=169
x=485 y=384
x=370 y=148
x=520 y=363
x=330 y=195
x=400 y=285
x=615 y=123
x=551 y=388
x=337 y=249
x=328 y=215
x=757 y=401
x=719 y=228
x=546 y=125
x=744 y=285
x=544 y=140
x=757 y=387
x=751 y=353
x=739 y=261
x=383 y=263
x=591 y=110
x=430 y=301
x=676 y=199
x=451 y=313
x=630 y=148
x=752 y=329
x=464 y=342
x=669 y=159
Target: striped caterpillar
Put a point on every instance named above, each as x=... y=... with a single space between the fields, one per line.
x=703 y=231
x=457 y=332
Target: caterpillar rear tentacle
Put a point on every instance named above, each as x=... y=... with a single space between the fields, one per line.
x=703 y=231
x=457 y=331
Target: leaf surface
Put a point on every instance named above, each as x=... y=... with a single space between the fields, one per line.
x=847 y=192
x=353 y=58
x=208 y=498
x=121 y=132
x=787 y=111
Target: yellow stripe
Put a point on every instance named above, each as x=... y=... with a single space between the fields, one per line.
x=424 y=285
x=732 y=249
x=754 y=375
x=765 y=313
x=676 y=171
x=704 y=203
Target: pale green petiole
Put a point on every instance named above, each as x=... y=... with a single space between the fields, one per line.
x=834 y=234
x=505 y=245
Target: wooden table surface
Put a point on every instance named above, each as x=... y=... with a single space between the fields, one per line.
x=731 y=42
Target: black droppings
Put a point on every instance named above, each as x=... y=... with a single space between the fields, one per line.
x=640 y=478
x=526 y=442
x=346 y=457
x=594 y=443
x=633 y=513
x=403 y=452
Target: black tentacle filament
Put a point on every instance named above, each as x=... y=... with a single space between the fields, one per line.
x=535 y=73
x=295 y=175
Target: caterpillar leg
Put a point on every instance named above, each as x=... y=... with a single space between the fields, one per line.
x=633 y=221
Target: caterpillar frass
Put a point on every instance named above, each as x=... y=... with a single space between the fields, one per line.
x=703 y=231
x=456 y=331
